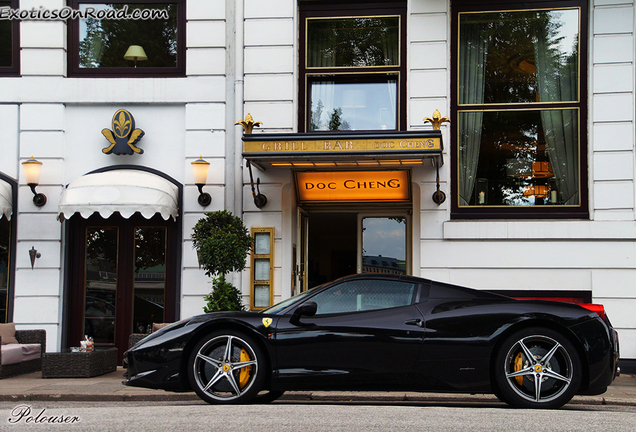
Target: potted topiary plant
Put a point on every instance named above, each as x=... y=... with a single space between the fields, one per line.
x=222 y=243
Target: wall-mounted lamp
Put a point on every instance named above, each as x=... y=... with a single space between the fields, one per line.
x=33 y=254
x=32 y=174
x=135 y=52
x=200 y=168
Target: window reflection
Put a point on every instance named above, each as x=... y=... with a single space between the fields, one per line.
x=101 y=284
x=519 y=56
x=103 y=43
x=364 y=295
x=353 y=42
x=340 y=106
x=517 y=162
x=150 y=277
x=515 y=155
x=384 y=245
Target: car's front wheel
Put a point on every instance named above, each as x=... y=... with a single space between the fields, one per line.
x=226 y=367
x=537 y=368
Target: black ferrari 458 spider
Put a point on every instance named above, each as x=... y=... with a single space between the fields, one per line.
x=382 y=332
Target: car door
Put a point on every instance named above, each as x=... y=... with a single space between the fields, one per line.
x=366 y=334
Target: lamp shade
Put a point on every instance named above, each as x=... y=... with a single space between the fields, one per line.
x=135 y=52
x=32 y=171
x=200 y=168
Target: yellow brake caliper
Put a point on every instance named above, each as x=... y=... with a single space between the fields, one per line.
x=518 y=367
x=245 y=371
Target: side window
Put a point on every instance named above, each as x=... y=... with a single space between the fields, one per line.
x=364 y=295
x=352 y=69
x=140 y=38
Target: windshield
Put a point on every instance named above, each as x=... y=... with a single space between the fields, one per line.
x=278 y=307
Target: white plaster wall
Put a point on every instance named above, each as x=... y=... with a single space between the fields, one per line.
x=595 y=255
x=58 y=119
x=9 y=138
x=612 y=114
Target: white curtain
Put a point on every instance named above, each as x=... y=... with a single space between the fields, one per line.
x=557 y=81
x=472 y=61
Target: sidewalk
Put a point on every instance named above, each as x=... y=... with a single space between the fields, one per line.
x=109 y=388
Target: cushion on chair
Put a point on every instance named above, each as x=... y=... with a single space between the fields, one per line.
x=31 y=351
x=158 y=326
x=11 y=354
x=7 y=333
x=18 y=353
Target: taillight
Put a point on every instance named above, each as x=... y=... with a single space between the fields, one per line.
x=599 y=309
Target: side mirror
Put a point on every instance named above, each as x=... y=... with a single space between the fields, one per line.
x=308 y=309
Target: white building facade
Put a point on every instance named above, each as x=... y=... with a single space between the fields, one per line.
x=527 y=188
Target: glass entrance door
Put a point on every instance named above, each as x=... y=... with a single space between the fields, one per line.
x=338 y=244
x=383 y=244
x=123 y=278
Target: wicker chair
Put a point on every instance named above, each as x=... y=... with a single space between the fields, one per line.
x=26 y=337
x=134 y=338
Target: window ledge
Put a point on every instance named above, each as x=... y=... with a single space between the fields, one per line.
x=540 y=230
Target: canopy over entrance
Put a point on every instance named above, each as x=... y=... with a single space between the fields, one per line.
x=328 y=150
x=125 y=191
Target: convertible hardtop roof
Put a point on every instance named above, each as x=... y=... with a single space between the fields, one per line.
x=437 y=289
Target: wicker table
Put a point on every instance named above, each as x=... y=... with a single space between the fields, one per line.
x=67 y=364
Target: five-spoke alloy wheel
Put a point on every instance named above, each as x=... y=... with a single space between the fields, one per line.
x=226 y=367
x=537 y=368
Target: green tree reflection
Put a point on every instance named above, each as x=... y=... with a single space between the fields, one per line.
x=106 y=41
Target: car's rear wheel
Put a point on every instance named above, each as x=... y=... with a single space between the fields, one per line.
x=226 y=367
x=537 y=368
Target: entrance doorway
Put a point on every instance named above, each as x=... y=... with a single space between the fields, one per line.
x=337 y=244
x=123 y=277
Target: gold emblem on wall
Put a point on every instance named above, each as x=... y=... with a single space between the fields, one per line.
x=124 y=136
x=248 y=124
x=437 y=120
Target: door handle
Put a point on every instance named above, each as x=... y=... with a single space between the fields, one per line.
x=416 y=322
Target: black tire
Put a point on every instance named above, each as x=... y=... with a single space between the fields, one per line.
x=537 y=368
x=226 y=367
x=267 y=396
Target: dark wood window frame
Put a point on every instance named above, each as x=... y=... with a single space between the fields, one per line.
x=12 y=247
x=14 y=69
x=336 y=9
x=74 y=69
x=521 y=212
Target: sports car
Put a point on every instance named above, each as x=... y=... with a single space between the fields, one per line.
x=385 y=332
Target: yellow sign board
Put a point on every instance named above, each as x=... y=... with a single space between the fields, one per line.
x=353 y=186
x=376 y=145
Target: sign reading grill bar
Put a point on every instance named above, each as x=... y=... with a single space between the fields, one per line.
x=378 y=144
x=353 y=186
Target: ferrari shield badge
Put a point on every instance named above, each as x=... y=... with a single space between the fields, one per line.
x=267 y=322
x=124 y=136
